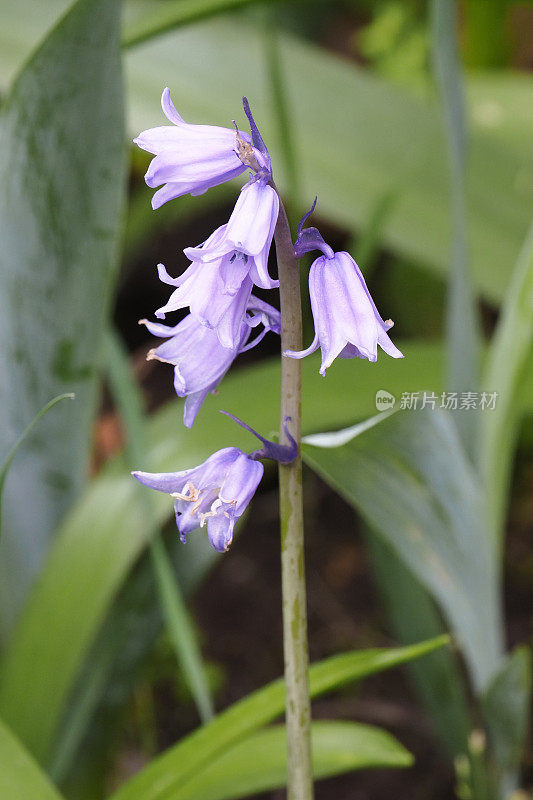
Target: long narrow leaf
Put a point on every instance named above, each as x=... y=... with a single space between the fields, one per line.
x=462 y=325
x=411 y=480
x=179 y=764
x=20 y=776
x=414 y=616
x=505 y=371
x=506 y=707
x=180 y=628
x=259 y=763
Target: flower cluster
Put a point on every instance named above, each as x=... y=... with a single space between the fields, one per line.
x=225 y=318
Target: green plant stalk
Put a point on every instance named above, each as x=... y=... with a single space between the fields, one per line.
x=298 y=705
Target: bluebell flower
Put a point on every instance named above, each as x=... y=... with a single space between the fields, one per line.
x=249 y=232
x=189 y=159
x=200 y=360
x=216 y=492
x=347 y=322
x=218 y=283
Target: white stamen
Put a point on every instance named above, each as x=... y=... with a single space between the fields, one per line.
x=190 y=493
x=211 y=513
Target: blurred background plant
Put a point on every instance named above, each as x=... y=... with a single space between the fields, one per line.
x=412 y=121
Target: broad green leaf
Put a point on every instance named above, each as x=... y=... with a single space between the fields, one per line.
x=505 y=370
x=462 y=330
x=506 y=706
x=259 y=763
x=20 y=777
x=410 y=479
x=61 y=189
x=437 y=677
x=181 y=762
x=368 y=139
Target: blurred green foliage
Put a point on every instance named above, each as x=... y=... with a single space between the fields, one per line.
x=346 y=97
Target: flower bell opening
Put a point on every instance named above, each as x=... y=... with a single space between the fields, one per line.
x=213 y=495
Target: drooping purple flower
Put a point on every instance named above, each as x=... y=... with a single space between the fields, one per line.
x=221 y=308
x=200 y=360
x=192 y=158
x=218 y=283
x=216 y=492
x=248 y=232
x=347 y=322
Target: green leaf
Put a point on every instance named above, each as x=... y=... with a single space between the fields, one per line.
x=259 y=763
x=410 y=479
x=505 y=371
x=61 y=189
x=437 y=677
x=94 y=714
x=4 y=468
x=368 y=139
x=20 y=777
x=168 y=772
x=104 y=534
x=506 y=706
x=462 y=330
x=129 y=402
x=175 y=14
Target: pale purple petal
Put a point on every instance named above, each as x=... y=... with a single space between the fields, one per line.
x=209 y=250
x=220 y=531
x=188 y=159
x=315 y=344
x=216 y=492
x=162 y=481
x=229 y=326
x=240 y=483
x=347 y=323
x=253 y=219
x=168 y=108
x=193 y=404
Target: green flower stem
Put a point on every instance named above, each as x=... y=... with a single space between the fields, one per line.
x=298 y=706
